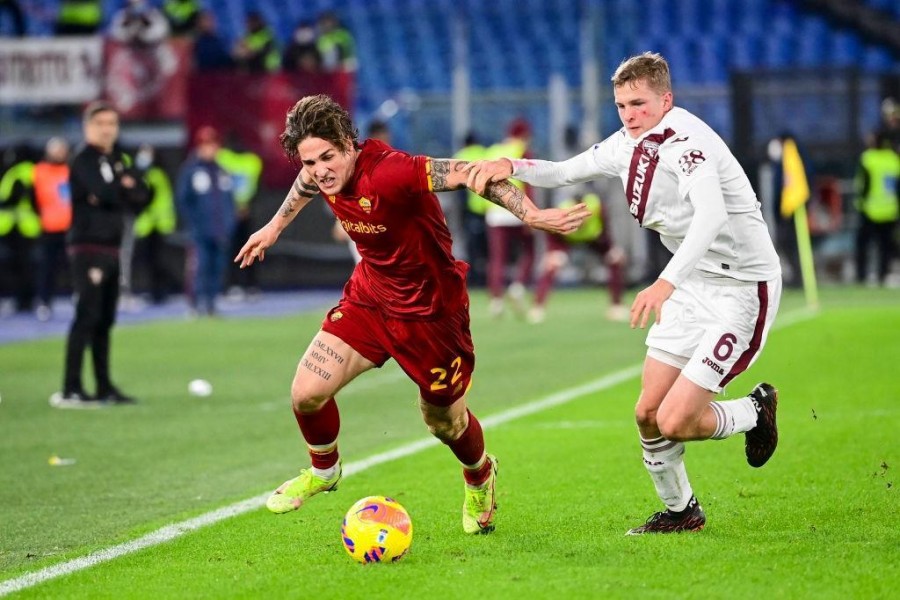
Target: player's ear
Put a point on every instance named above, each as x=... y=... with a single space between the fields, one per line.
x=668 y=100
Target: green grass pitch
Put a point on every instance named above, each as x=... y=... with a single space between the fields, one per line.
x=819 y=521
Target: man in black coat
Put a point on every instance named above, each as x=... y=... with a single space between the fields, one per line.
x=104 y=188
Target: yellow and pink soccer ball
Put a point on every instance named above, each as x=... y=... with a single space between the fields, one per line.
x=377 y=529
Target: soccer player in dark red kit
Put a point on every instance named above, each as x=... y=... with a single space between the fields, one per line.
x=405 y=300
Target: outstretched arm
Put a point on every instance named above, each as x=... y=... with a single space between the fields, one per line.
x=298 y=197
x=586 y=166
x=448 y=174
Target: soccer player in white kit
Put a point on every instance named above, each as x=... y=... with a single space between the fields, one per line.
x=716 y=299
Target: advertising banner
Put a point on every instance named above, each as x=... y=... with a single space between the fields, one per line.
x=50 y=70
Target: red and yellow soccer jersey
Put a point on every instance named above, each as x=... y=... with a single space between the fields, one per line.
x=389 y=210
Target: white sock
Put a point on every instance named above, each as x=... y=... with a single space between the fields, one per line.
x=328 y=473
x=664 y=461
x=331 y=471
x=733 y=416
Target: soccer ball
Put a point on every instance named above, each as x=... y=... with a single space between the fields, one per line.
x=377 y=529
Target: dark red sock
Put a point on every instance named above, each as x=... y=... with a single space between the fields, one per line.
x=616 y=283
x=321 y=429
x=544 y=285
x=469 y=449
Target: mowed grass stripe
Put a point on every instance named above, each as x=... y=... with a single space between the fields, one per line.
x=176 y=530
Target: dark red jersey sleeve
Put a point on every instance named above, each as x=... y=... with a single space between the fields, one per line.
x=400 y=174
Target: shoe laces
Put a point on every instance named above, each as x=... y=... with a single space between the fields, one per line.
x=657 y=517
x=477 y=497
x=309 y=483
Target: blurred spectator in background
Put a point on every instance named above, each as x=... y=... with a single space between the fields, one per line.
x=506 y=233
x=379 y=130
x=53 y=199
x=139 y=24
x=79 y=17
x=257 y=51
x=183 y=16
x=594 y=234
x=245 y=168
x=876 y=199
x=205 y=197
x=19 y=224
x=210 y=50
x=336 y=44
x=154 y=225
x=12 y=19
x=474 y=228
x=104 y=189
x=890 y=122
x=302 y=53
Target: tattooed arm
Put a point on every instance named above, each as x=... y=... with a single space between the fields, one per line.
x=447 y=174
x=300 y=194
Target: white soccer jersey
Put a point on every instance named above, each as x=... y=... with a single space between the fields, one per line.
x=682 y=181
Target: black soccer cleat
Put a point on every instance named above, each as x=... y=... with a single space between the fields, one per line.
x=760 y=442
x=115 y=396
x=692 y=518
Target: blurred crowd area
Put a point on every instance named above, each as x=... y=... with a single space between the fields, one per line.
x=438 y=78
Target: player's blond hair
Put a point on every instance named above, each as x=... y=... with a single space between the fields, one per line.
x=650 y=67
x=318 y=116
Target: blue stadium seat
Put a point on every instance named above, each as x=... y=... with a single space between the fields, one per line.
x=745 y=52
x=876 y=58
x=846 y=49
x=777 y=50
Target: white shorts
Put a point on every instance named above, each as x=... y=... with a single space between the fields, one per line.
x=713 y=330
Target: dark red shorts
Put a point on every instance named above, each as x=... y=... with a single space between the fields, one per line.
x=437 y=355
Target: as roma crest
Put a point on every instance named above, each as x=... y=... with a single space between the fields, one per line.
x=365 y=204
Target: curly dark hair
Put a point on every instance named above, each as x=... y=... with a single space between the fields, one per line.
x=317 y=116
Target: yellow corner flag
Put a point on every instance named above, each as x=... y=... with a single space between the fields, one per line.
x=795 y=191
x=794 y=194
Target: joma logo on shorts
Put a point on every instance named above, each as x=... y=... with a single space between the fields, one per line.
x=714 y=366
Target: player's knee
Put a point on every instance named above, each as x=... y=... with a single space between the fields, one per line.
x=674 y=427
x=306 y=398
x=445 y=427
x=645 y=416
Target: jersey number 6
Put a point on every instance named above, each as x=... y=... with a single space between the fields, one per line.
x=725 y=346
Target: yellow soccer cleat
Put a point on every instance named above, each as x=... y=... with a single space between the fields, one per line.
x=480 y=504
x=291 y=494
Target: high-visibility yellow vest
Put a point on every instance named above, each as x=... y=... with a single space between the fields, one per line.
x=257 y=40
x=475 y=203
x=21 y=215
x=84 y=13
x=338 y=39
x=160 y=213
x=592 y=227
x=179 y=11
x=883 y=168
x=245 y=169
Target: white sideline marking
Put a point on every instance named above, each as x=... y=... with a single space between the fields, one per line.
x=170 y=532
